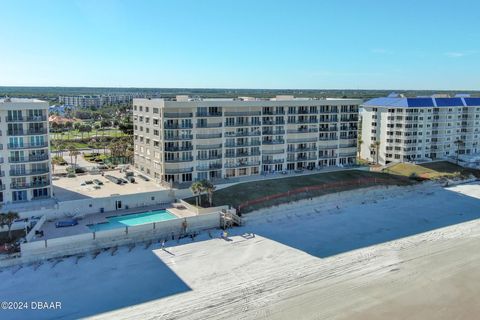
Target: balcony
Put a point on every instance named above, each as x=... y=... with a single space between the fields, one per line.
x=242 y=134
x=43 y=157
x=209 y=114
x=176 y=115
x=178 y=170
x=241 y=145
x=280 y=151
x=273 y=161
x=306 y=149
x=37 y=184
x=310 y=130
x=208 y=146
x=209 y=157
x=177 y=126
x=26 y=119
x=242 y=113
x=272 y=123
x=175 y=160
x=179 y=148
x=273 y=132
x=213 y=166
x=28 y=172
x=209 y=135
x=36 y=131
x=209 y=125
x=348 y=154
x=273 y=141
x=15 y=132
x=242 y=164
x=181 y=137
x=27 y=145
x=242 y=154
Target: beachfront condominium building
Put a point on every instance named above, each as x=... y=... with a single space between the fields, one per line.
x=399 y=129
x=184 y=140
x=24 y=150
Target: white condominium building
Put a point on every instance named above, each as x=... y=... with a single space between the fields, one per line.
x=24 y=150
x=419 y=129
x=185 y=140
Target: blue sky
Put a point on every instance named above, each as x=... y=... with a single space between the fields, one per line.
x=349 y=44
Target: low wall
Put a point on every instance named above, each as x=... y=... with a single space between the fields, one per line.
x=95 y=205
x=202 y=211
x=58 y=247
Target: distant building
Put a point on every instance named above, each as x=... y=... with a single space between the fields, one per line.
x=96 y=101
x=186 y=139
x=24 y=154
x=419 y=129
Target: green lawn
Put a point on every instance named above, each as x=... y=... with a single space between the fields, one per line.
x=243 y=192
x=431 y=170
x=75 y=134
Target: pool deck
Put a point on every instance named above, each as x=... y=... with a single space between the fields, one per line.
x=50 y=231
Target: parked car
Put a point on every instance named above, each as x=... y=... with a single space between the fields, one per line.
x=98 y=182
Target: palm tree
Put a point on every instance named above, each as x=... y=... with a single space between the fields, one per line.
x=359 y=142
x=377 y=148
x=209 y=188
x=55 y=162
x=7 y=219
x=197 y=189
x=374 y=147
x=73 y=153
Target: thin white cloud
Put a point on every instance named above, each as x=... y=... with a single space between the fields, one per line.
x=381 y=51
x=460 y=54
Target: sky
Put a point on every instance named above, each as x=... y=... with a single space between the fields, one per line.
x=274 y=44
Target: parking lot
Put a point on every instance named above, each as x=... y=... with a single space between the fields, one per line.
x=82 y=186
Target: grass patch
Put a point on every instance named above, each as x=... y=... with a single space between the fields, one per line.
x=432 y=170
x=238 y=194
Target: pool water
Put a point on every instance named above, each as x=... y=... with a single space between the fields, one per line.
x=134 y=219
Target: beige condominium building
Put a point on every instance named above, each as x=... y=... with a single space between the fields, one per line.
x=25 y=158
x=185 y=140
x=399 y=129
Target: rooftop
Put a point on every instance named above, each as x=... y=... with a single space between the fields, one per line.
x=22 y=100
x=421 y=102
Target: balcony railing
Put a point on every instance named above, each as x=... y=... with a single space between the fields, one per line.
x=177 y=126
x=242 y=154
x=273 y=132
x=209 y=114
x=36 y=131
x=209 y=157
x=240 y=145
x=186 y=159
x=209 y=135
x=178 y=115
x=182 y=137
x=273 y=161
x=28 y=159
x=37 y=184
x=242 y=134
x=209 y=125
x=27 y=119
x=179 y=170
x=27 y=145
x=273 y=141
x=243 y=113
x=179 y=148
x=310 y=130
x=15 y=132
x=242 y=124
x=208 y=146
x=28 y=172
x=242 y=164
x=213 y=166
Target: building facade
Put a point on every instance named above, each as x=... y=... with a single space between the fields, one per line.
x=24 y=148
x=185 y=140
x=399 y=129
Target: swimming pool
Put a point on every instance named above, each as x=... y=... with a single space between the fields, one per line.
x=133 y=219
